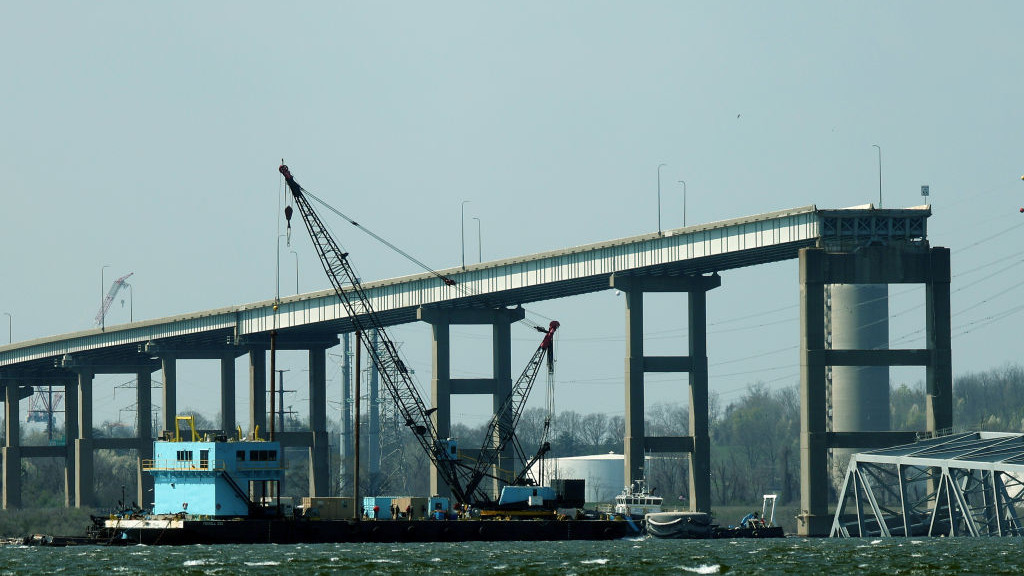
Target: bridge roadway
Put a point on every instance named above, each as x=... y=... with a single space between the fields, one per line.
x=681 y=260
x=311 y=318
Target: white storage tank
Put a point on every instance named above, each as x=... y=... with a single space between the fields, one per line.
x=605 y=474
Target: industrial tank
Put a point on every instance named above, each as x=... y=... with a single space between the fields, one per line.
x=604 y=474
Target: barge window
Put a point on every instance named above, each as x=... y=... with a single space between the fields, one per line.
x=184 y=455
x=263 y=455
x=240 y=455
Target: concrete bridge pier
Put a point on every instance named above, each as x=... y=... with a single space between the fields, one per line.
x=79 y=479
x=698 y=443
x=144 y=435
x=443 y=386
x=12 y=395
x=896 y=263
x=85 y=489
x=319 y=449
x=258 y=390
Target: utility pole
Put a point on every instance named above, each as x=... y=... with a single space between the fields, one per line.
x=280 y=395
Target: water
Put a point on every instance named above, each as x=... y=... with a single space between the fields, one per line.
x=639 y=556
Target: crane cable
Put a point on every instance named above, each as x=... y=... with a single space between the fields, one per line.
x=463 y=290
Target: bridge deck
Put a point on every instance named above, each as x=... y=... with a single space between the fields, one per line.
x=308 y=319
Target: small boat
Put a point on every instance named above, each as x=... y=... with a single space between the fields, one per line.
x=636 y=501
x=698 y=525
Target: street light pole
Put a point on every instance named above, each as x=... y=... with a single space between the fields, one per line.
x=683 y=182
x=296 y=254
x=659 y=195
x=879 y=174
x=277 y=270
x=103 y=285
x=479 y=247
x=10 y=324
x=464 y=234
x=131 y=302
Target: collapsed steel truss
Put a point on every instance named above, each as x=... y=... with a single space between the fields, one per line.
x=968 y=484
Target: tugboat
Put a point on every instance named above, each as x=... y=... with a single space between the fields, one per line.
x=637 y=500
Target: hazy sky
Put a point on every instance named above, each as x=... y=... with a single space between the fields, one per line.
x=146 y=136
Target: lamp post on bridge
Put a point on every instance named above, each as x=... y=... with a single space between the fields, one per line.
x=463 y=222
x=131 y=302
x=683 y=182
x=879 y=173
x=296 y=254
x=479 y=247
x=659 y=196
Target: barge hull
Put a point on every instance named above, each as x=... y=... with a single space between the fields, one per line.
x=280 y=531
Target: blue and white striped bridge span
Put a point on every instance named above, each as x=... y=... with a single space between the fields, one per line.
x=686 y=259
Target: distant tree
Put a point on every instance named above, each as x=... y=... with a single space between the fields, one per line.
x=593 y=428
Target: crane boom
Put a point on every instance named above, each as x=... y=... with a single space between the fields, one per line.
x=501 y=428
x=393 y=372
x=109 y=298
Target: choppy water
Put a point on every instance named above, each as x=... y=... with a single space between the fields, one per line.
x=788 y=556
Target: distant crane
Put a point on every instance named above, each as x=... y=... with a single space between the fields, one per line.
x=109 y=299
x=42 y=406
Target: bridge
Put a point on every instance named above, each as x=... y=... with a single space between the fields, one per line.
x=856 y=245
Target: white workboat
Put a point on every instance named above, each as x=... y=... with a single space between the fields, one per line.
x=636 y=501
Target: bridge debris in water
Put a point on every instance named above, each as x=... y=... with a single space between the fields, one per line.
x=964 y=484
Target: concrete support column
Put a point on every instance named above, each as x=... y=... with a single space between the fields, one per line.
x=441 y=394
x=319 y=451
x=442 y=384
x=634 y=440
x=636 y=443
x=70 y=437
x=227 y=395
x=170 y=399
x=373 y=420
x=258 y=390
x=85 y=489
x=346 y=410
x=939 y=373
x=144 y=403
x=700 y=458
x=501 y=360
x=814 y=480
x=12 y=449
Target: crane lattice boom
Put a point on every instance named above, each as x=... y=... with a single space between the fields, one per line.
x=393 y=372
x=109 y=298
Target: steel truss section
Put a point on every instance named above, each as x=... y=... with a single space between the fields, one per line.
x=968 y=484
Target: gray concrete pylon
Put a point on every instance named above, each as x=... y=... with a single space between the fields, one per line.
x=144 y=427
x=813 y=441
x=70 y=437
x=85 y=488
x=373 y=421
x=636 y=443
x=257 y=391
x=11 y=449
x=442 y=384
x=910 y=263
x=938 y=325
x=227 y=394
x=346 y=410
x=700 y=457
x=170 y=390
x=319 y=451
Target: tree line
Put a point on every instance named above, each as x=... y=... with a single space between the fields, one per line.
x=755 y=443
